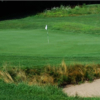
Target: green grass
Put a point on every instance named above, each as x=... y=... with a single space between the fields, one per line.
x=31 y=47
x=68 y=11
x=75 y=39
x=23 y=42
x=24 y=92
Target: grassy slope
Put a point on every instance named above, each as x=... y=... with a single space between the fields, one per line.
x=68 y=11
x=75 y=39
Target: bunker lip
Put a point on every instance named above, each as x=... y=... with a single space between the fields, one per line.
x=87 y=89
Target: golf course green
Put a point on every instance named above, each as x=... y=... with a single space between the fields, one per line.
x=24 y=43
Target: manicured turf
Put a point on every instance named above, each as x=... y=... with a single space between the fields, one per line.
x=74 y=39
x=32 y=47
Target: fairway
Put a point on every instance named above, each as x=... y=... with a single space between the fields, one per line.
x=31 y=46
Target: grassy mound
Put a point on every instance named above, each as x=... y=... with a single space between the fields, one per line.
x=68 y=11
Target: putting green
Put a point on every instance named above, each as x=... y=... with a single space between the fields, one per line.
x=35 y=43
x=63 y=45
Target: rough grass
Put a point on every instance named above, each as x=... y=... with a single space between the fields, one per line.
x=76 y=27
x=32 y=84
x=68 y=11
x=25 y=92
x=60 y=75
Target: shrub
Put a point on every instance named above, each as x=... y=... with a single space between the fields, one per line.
x=77 y=7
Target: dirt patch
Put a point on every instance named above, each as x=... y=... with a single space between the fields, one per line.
x=86 y=89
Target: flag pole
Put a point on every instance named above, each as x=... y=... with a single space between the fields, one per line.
x=47 y=34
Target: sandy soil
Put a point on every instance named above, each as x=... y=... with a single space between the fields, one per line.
x=84 y=90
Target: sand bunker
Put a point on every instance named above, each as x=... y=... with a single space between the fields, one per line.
x=84 y=90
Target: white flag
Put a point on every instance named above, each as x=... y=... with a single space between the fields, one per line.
x=46 y=27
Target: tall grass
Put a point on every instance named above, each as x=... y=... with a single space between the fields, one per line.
x=60 y=75
x=68 y=11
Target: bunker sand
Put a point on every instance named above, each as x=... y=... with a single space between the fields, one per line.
x=84 y=90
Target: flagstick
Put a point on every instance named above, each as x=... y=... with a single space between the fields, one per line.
x=47 y=36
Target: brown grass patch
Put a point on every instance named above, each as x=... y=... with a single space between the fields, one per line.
x=61 y=75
